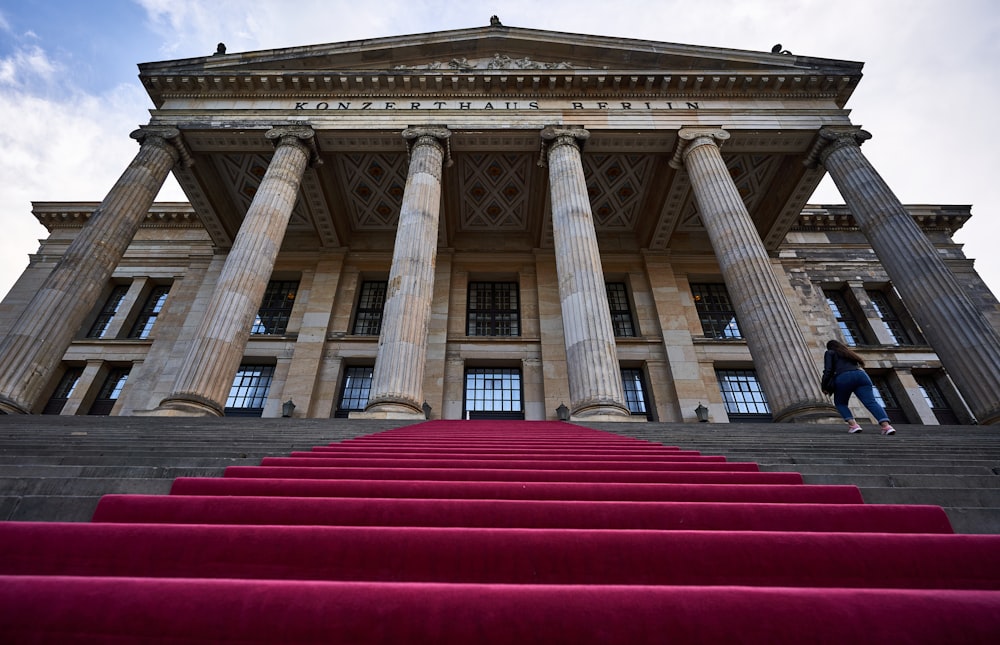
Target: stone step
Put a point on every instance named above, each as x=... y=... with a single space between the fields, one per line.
x=123 y=471
x=947 y=497
x=48 y=508
x=900 y=480
x=85 y=486
x=883 y=467
x=188 y=461
x=974 y=520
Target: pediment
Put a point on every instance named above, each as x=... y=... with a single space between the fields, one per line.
x=498 y=49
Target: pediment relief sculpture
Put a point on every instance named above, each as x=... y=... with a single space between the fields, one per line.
x=498 y=61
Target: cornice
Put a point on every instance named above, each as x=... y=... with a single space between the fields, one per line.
x=948 y=219
x=56 y=215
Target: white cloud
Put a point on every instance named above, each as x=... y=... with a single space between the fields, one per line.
x=68 y=150
x=930 y=89
x=27 y=66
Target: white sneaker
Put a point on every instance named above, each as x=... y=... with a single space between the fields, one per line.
x=854 y=429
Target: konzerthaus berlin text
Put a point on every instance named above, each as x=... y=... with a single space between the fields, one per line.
x=498 y=222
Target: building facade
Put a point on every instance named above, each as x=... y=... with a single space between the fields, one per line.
x=498 y=222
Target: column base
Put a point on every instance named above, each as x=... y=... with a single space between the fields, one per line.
x=388 y=414
x=810 y=412
x=606 y=418
x=602 y=413
x=992 y=417
x=9 y=406
x=190 y=405
x=390 y=410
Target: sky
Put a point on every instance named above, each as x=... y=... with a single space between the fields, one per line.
x=70 y=95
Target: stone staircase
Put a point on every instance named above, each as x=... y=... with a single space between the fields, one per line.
x=57 y=468
x=955 y=467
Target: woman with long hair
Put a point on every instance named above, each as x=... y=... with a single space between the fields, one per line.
x=844 y=375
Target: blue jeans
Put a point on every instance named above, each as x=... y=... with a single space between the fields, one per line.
x=856 y=382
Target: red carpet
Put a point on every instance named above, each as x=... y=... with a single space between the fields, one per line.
x=499 y=532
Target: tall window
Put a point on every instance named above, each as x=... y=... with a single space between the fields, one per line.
x=621 y=313
x=249 y=391
x=635 y=392
x=718 y=319
x=150 y=311
x=275 y=308
x=744 y=398
x=368 y=320
x=845 y=318
x=63 y=391
x=108 y=311
x=493 y=393
x=493 y=309
x=355 y=390
x=935 y=399
x=110 y=390
x=889 y=317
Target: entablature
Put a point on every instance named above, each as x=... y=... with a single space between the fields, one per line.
x=626 y=84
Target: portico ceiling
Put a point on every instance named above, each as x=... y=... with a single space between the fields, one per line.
x=495 y=88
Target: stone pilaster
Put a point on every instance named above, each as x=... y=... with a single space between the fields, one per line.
x=595 y=382
x=676 y=315
x=874 y=322
x=397 y=381
x=307 y=357
x=213 y=357
x=968 y=346
x=784 y=365
x=117 y=326
x=34 y=345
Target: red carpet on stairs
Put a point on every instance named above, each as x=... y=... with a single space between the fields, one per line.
x=499 y=532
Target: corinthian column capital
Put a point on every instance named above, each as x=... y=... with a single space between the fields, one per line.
x=832 y=139
x=167 y=138
x=301 y=136
x=690 y=138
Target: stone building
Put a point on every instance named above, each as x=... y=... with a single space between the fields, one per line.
x=498 y=222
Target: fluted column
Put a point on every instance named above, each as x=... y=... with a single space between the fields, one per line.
x=397 y=380
x=595 y=382
x=784 y=365
x=966 y=343
x=34 y=345
x=215 y=354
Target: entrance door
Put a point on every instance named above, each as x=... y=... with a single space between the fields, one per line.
x=493 y=393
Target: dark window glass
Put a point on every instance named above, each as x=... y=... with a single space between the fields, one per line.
x=845 y=318
x=368 y=321
x=493 y=309
x=935 y=399
x=493 y=393
x=275 y=308
x=743 y=396
x=108 y=311
x=110 y=390
x=356 y=388
x=621 y=313
x=249 y=390
x=889 y=318
x=63 y=391
x=635 y=392
x=718 y=320
x=150 y=311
